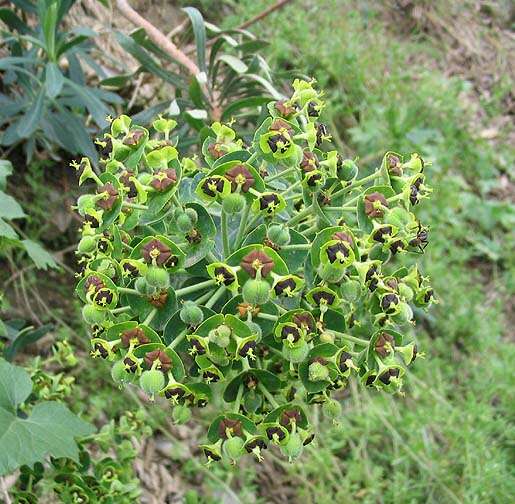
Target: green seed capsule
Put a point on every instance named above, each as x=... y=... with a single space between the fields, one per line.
x=93 y=315
x=87 y=244
x=296 y=354
x=221 y=335
x=332 y=408
x=157 y=277
x=278 y=234
x=293 y=448
x=233 y=203
x=119 y=373
x=152 y=382
x=317 y=372
x=192 y=214
x=233 y=448
x=191 y=314
x=256 y=292
x=181 y=414
x=184 y=223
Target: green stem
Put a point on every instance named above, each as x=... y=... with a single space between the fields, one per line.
x=178 y=339
x=211 y=257
x=353 y=339
x=150 y=317
x=310 y=230
x=356 y=183
x=127 y=290
x=194 y=287
x=123 y=309
x=340 y=209
x=204 y=297
x=237 y=403
x=215 y=297
x=267 y=316
x=291 y=188
x=297 y=246
x=243 y=224
x=135 y=206
x=280 y=174
x=300 y=216
x=268 y=395
x=225 y=234
x=252 y=158
x=395 y=198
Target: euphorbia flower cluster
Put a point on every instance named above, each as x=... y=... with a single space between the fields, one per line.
x=267 y=273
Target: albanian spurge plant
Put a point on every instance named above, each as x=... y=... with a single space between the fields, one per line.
x=266 y=276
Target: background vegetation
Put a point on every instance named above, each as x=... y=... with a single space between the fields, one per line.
x=432 y=77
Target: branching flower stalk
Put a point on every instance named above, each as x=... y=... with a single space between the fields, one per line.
x=196 y=273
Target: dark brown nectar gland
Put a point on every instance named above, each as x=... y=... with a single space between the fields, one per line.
x=109 y=198
x=323 y=297
x=268 y=202
x=212 y=186
x=256 y=260
x=286 y=286
x=384 y=344
x=337 y=252
x=230 y=428
x=380 y=234
x=224 y=276
x=374 y=204
x=389 y=302
x=309 y=162
x=388 y=375
x=159 y=300
x=342 y=364
x=156 y=251
x=135 y=336
x=290 y=333
x=128 y=184
x=278 y=143
x=305 y=321
x=240 y=176
x=164 y=179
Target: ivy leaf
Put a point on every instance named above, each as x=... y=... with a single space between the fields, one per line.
x=49 y=429
x=39 y=255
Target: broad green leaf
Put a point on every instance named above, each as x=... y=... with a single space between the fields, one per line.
x=6 y=169
x=6 y=231
x=30 y=121
x=199 y=30
x=9 y=207
x=39 y=255
x=54 y=80
x=49 y=429
x=13 y=21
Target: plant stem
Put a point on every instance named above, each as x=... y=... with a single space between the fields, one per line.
x=252 y=158
x=178 y=339
x=127 y=290
x=293 y=186
x=353 y=339
x=280 y=174
x=215 y=297
x=268 y=395
x=300 y=216
x=243 y=224
x=340 y=209
x=267 y=316
x=135 y=206
x=150 y=317
x=194 y=287
x=225 y=234
x=237 y=403
x=123 y=309
x=204 y=297
x=356 y=183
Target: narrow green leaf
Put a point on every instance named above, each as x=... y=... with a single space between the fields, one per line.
x=54 y=79
x=13 y=21
x=199 y=30
x=30 y=121
x=235 y=63
x=94 y=105
x=24 y=338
